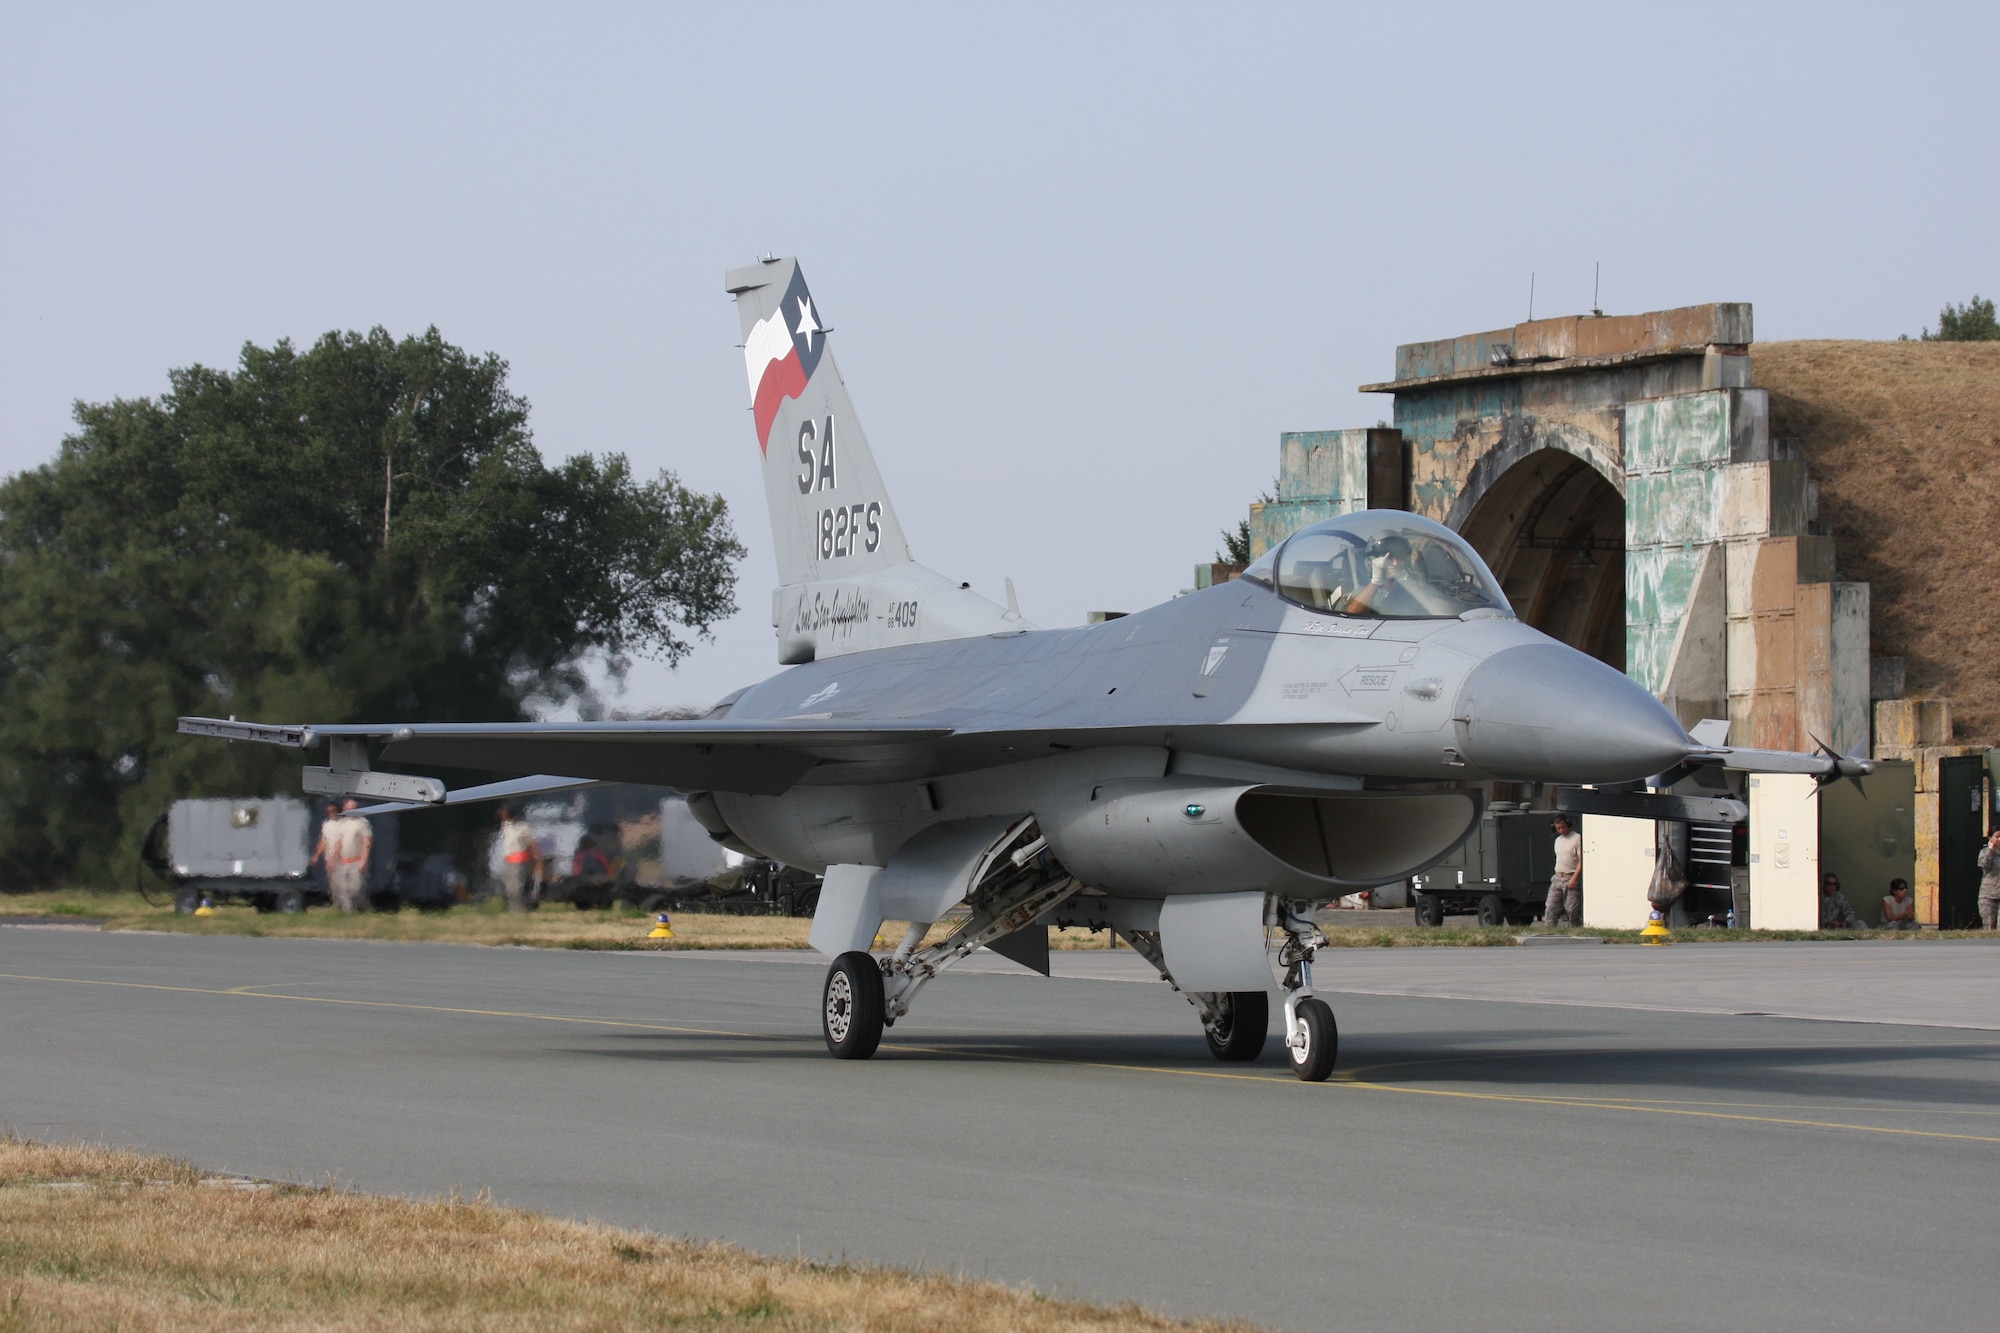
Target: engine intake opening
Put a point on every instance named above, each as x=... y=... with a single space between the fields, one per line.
x=1358 y=837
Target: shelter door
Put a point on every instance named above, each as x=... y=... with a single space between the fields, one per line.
x=1961 y=829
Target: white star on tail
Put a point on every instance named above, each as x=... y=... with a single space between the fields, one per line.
x=808 y=325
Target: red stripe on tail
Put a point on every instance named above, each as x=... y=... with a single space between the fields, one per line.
x=782 y=379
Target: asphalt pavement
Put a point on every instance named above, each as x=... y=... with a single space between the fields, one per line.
x=1517 y=1138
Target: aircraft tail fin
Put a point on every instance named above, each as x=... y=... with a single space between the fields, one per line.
x=847 y=581
x=830 y=513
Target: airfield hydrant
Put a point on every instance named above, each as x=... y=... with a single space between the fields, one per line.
x=662 y=930
x=1656 y=931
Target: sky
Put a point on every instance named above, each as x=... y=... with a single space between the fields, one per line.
x=1083 y=263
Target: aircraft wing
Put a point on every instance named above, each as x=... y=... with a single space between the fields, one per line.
x=759 y=758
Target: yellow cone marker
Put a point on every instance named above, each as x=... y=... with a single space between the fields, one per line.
x=1656 y=931
x=207 y=908
x=663 y=930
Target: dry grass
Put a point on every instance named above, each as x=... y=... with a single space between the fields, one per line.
x=625 y=929
x=1904 y=441
x=554 y=927
x=92 y=1238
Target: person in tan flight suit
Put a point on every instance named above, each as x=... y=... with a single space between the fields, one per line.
x=345 y=842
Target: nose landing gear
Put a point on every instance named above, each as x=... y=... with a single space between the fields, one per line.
x=1311 y=1036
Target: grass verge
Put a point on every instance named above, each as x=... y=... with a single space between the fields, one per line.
x=553 y=927
x=623 y=928
x=95 y=1238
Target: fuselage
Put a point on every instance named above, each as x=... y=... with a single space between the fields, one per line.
x=1229 y=681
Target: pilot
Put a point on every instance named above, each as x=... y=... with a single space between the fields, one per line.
x=1395 y=586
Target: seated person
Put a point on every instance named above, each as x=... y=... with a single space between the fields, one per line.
x=589 y=863
x=1899 y=909
x=1835 y=912
x=1395 y=586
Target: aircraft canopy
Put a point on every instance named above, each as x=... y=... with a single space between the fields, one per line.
x=1381 y=563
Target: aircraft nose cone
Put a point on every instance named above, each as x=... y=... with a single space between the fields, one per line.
x=1543 y=712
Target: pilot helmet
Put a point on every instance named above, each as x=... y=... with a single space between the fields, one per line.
x=1394 y=543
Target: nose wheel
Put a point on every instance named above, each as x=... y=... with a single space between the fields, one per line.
x=1311 y=1038
x=852 y=1006
x=1314 y=1040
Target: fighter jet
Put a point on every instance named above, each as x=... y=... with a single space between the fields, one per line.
x=1197 y=777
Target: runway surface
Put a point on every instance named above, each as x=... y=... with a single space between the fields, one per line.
x=1510 y=1143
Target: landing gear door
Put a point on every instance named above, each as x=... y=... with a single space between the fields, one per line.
x=1215 y=941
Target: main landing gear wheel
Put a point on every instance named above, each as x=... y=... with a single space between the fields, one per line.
x=1317 y=1041
x=1239 y=1030
x=851 y=1015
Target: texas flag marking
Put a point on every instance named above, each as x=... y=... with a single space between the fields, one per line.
x=781 y=354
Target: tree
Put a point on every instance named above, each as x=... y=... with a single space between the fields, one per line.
x=1972 y=322
x=362 y=530
x=1236 y=545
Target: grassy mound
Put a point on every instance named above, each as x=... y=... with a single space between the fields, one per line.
x=1903 y=439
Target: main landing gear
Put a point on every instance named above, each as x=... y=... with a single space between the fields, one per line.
x=864 y=994
x=852 y=1014
x=1236 y=1024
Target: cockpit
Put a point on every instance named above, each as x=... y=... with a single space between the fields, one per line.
x=1381 y=563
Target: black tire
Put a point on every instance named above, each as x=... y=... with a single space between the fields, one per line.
x=289 y=901
x=1492 y=912
x=1244 y=1025
x=1430 y=910
x=851 y=1006
x=186 y=899
x=1313 y=1061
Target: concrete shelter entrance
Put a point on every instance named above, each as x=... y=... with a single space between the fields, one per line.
x=1552 y=529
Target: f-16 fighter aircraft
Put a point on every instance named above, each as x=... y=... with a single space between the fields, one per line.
x=1197 y=777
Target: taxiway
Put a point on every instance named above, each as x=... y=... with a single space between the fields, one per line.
x=1517 y=1138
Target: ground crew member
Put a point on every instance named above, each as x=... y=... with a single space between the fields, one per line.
x=1566 y=885
x=1899 y=910
x=346 y=841
x=1835 y=912
x=1989 y=883
x=590 y=862
x=519 y=858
